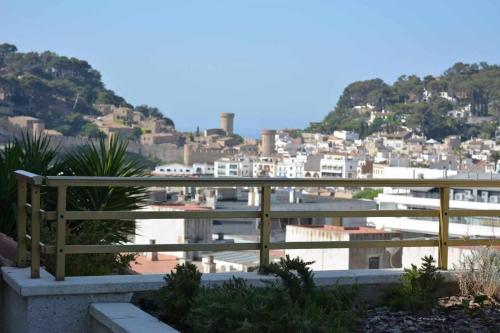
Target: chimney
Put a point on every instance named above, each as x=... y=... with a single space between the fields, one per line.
x=209 y=265
x=251 y=197
x=187 y=154
x=256 y=197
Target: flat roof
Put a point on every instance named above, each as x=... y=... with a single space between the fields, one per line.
x=345 y=230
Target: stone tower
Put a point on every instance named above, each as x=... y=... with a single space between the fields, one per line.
x=226 y=122
x=267 y=142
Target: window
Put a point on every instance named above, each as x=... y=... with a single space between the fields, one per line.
x=374 y=262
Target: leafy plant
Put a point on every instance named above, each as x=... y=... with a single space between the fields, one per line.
x=418 y=289
x=30 y=153
x=292 y=304
x=295 y=277
x=479 y=273
x=367 y=193
x=177 y=297
x=107 y=159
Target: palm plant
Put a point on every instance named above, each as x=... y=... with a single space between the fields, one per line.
x=102 y=158
x=31 y=153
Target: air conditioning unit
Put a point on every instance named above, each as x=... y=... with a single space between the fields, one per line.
x=459 y=196
x=494 y=199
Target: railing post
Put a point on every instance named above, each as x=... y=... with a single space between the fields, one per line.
x=21 y=217
x=154 y=254
x=444 y=207
x=61 y=233
x=35 y=231
x=265 y=225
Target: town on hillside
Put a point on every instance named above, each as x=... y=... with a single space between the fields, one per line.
x=436 y=128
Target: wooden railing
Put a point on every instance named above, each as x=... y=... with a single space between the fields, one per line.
x=31 y=212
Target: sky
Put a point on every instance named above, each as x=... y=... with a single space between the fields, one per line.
x=275 y=64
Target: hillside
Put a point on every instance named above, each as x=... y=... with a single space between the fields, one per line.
x=59 y=90
x=464 y=100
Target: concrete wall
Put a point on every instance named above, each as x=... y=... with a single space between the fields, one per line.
x=332 y=259
x=323 y=258
x=173 y=231
x=413 y=255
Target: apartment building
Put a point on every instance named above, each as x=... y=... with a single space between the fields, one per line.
x=338 y=166
x=233 y=167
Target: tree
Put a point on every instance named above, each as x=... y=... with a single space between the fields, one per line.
x=90 y=130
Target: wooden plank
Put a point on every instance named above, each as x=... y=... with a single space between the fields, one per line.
x=355 y=244
x=259 y=182
x=47 y=249
x=35 y=232
x=28 y=177
x=444 y=207
x=22 y=191
x=61 y=233
x=132 y=215
x=474 y=212
x=265 y=225
x=359 y=213
x=79 y=249
x=474 y=242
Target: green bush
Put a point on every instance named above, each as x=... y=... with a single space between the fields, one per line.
x=418 y=289
x=291 y=304
x=177 y=297
x=367 y=193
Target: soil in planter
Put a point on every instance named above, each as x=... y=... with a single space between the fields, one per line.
x=454 y=314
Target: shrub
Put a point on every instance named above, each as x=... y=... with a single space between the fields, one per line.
x=177 y=297
x=479 y=273
x=367 y=193
x=418 y=289
x=292 y=304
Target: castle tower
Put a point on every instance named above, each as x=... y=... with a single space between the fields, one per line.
x=267 y=142
x=226 y=122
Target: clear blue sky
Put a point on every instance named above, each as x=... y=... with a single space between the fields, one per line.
x=274 y=63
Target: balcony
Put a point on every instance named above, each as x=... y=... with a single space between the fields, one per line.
x=36 y=295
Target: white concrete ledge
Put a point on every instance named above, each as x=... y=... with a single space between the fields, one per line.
x=124 y=318
x=19 y=280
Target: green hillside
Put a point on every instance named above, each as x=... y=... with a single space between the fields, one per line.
x=56 y=89
x=474 y=86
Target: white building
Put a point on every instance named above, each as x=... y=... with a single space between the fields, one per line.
x=382 y=171
x=177 y=169
x=346 y=135
x=203 y=169
x=338 y=166
x=265 y=167
x=174 y=231
x=173 y=169
x=291 y=167
x=329 y=259
x=236 y=167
